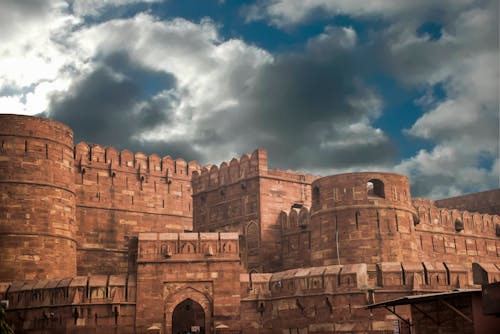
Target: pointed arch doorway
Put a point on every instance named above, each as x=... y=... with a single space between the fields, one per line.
x=188 y=307
x=188 y=317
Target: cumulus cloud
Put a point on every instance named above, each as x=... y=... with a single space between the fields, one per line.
x=465 y=124
x=174 y=86
x=461 y=58
x=284 y=13
x=310 y=110
x=97 y=7
x=30 y=51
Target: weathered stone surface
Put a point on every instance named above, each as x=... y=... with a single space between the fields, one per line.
x=97 y=240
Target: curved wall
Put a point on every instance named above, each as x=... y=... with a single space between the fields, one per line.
x=37 y=207
x=362 y=217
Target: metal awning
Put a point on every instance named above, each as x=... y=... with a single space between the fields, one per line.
x=412 y=300
x=415 y=299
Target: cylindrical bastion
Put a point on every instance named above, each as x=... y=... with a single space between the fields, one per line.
x=362 y=218
x=37 y=207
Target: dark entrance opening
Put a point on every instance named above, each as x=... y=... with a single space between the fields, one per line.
x=188 y=317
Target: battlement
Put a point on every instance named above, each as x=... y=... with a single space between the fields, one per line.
x=431 y=218
x=404 y=276
x=227 y=173
x=247 y=166
x=363 y=188
x=87 y=155
x=166 y=247
x=96 y=289
x=484 y=202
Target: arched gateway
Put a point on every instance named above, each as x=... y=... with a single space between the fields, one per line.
x=188 y=310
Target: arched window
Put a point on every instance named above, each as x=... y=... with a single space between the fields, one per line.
x=252 y=235
x=315 y=196
x=375 y=188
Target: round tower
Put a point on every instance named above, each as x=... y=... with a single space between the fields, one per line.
x=37 y=207
x=362 y=218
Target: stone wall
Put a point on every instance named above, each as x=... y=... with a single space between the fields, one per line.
x=37 y=216
x=203 y=267
x=120 y=194
x=330 y=245
x=245 y=196
x=347 y=224
x=362 y=217
x=456 y=236
x=483 y=202
x=81 y=304
x=332 y=298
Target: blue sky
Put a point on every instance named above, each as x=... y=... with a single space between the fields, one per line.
x=326 y=86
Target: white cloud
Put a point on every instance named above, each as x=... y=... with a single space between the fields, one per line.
x=465 y=124
x=96 y=7
x=291 y=12
x=12 y=105
x=47 y=49
x=210 y=72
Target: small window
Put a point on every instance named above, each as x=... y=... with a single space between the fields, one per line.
x=315 y=195
x=375 y=188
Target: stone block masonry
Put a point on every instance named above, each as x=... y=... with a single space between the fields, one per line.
x=96 y=240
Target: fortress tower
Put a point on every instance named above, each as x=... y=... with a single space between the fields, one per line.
x=97 y=240
x=245 y=196
x=37 y=223
x=362 y=217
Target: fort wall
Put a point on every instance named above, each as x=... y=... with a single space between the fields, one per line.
x=365 y=217
x=204 y=267
x=245 y=196
x=332 y=298
x=483 y=202
x=37 y=220
x=95 y=303
x=348 y=222
x=296 y=240
x=121 y=194
x=93 y=241
x=457 y=236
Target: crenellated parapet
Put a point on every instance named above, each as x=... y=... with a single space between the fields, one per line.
x=245 y=167
x=75 y=303
x=115 y=161
x=454 y=235
x=121 y=194
x=434 y=219
x=107 y=178
x=483 y=202
x=76 y=290
x=166 y=247
x=407 y=277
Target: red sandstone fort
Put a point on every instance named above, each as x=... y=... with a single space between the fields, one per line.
x=95 y=240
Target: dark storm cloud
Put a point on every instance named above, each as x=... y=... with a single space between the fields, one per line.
x=304 y=102
x=432 y=184
x=301 y=109
x=114 y=103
